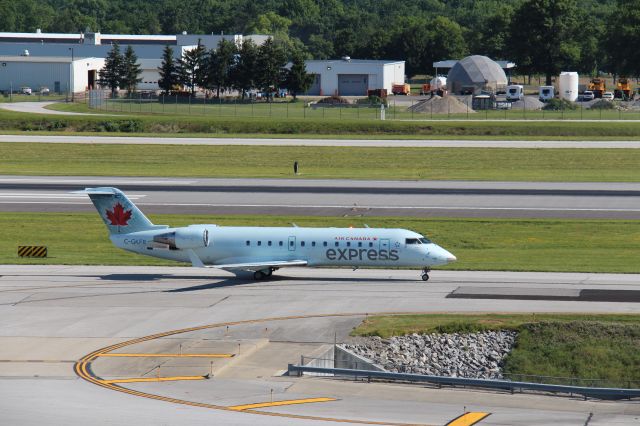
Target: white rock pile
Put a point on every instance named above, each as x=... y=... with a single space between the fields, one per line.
x=470 y=355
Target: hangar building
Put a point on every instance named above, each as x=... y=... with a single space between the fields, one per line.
x=353 y=77
x=37 y=59
x=57 y=73
x=474 y=74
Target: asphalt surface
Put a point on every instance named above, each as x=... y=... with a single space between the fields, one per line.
x=52 y=316
x=398 y=143
x=333 y=197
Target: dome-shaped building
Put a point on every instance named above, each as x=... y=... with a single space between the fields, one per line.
x=474 y=74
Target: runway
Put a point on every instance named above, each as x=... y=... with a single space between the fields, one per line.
x=589 y=200
x=55 y=315
x=323 y=141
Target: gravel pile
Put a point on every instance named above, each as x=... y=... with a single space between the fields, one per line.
x=441 y=105
x=527 y=103
x=472 y=355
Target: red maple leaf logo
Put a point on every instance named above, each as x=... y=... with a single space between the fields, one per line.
x=119 y=216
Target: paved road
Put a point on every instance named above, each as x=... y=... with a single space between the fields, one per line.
x=54 y=315
x=333 y=197
x=36 y=108
x=398 y=143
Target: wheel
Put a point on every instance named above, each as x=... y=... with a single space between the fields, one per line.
x=268 y=272
x=425 y=277
x=259 y=275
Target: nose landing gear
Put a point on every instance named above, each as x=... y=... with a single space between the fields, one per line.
x=425 y=274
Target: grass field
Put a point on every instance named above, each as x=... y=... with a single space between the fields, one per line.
x=602 y=350
x=397 y=110
x=321 y=162
x=500 y=244
x=172 y=124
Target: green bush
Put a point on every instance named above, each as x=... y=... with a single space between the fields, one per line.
x=602 y=104
x=559 y=104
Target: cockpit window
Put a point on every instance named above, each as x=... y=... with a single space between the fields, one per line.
x=412 y=241
x=425 y=240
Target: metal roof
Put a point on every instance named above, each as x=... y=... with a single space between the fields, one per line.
x=355 y=61
x=53 y=59
x=449 y=63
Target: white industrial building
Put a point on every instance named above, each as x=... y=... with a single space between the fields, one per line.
x=56 y=73
x=63 y=62
x=353 y=77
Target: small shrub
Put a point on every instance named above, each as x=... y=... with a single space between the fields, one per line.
x=602 y=104
x=131 y=126
x=559 y=104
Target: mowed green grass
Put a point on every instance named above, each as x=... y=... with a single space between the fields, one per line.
x=316 y=125
x=603 y=350
x=479 y=244
x=397 y=110
x=321 y=162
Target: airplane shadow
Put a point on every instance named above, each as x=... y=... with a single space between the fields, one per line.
x=293 y=281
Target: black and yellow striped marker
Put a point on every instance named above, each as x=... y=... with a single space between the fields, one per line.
x=32 y=251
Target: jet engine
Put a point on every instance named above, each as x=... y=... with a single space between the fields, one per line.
x=184 y=238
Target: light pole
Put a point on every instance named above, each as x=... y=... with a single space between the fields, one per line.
x=71 y=75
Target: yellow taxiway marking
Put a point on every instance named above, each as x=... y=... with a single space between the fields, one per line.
x=278 y=403
x=152 y=379
x=171 y=355
x=468 y=419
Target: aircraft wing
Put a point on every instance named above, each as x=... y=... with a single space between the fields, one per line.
x=251 y=266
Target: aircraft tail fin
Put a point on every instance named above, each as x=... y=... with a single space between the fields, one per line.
x=118 y=212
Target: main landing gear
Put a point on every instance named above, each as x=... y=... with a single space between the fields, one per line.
x=425 y=274
x=263 y=273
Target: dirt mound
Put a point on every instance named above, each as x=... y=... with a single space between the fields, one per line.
x=528 y=103
x=441 y=105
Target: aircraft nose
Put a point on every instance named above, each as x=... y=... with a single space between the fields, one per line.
x=447 y=256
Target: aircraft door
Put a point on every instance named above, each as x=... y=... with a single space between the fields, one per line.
x=384 y=244
x=292 y=243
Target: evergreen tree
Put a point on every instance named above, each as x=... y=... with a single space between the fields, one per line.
x=168 y=71
x=269 y=67
x=111 y=73
x=192 y=69
x=131 y=71
x=297 y=79
x=220 y=64
x=244 y=70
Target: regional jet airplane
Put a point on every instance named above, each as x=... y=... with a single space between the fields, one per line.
x=262 y=250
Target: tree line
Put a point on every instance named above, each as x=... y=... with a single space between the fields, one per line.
x=541 y=36
x=228 y=66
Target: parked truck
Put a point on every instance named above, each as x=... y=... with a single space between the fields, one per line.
x=597 y=86
x=623 y=89
x=401 y=89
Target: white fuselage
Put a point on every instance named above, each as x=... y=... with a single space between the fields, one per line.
x=317 y=246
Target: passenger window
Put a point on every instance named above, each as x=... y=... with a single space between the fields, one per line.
x=324 y=244
x=301 y=243
x=280 y=243
x=248 y=242
x=269 y=243
x=313 y=244
x=360 y=244
x=348 y=244
x=370 y=244
x=259 y=243
x=337 y=244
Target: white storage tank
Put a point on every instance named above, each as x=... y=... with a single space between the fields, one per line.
x=438 y=83
x=568 y=85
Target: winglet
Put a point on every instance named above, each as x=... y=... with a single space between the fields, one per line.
x=195 y=260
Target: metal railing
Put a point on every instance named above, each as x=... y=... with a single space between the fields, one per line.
x=507 y=384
